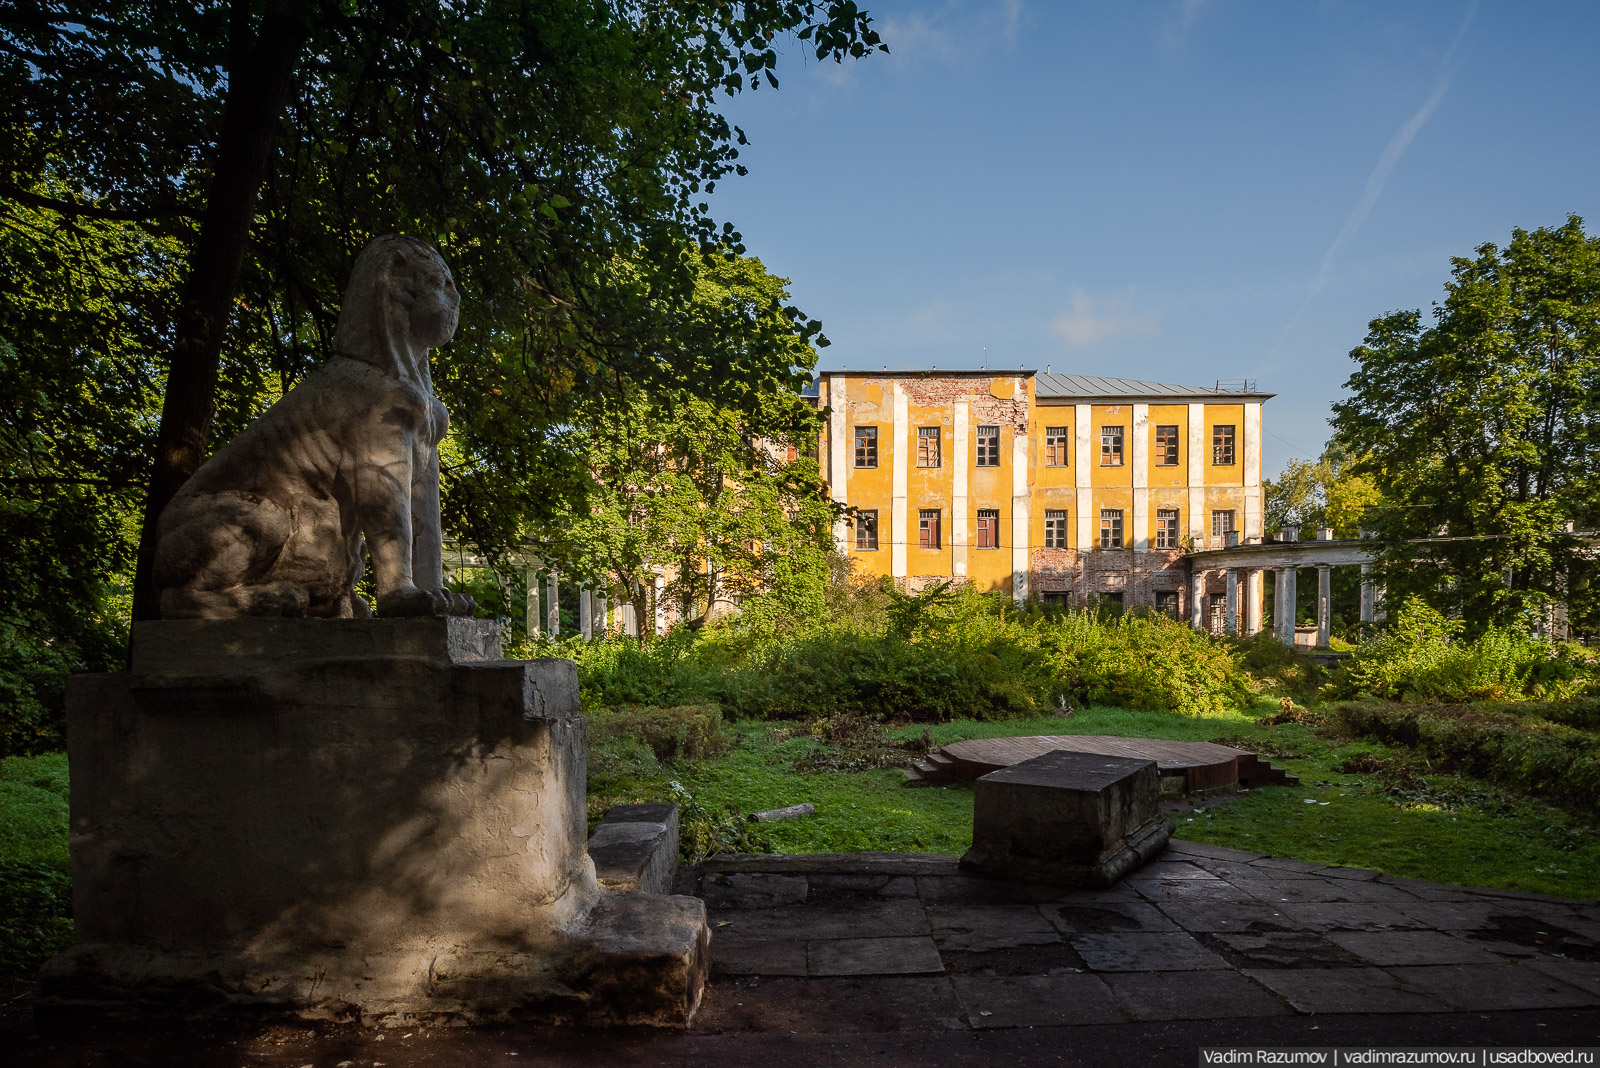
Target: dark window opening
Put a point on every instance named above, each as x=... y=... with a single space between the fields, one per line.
x=928 y=446
x=1111 y=528
x=1055 y=446
x=1166 y=445
x=1222 y=445
x=988 y=528
x=867 y=530
x=1055 y=529
x=988 y=446
x=1166 y=528
x=928 y=528
x=1111 y=446
x=866 y=446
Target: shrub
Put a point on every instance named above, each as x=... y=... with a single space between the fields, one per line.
x=35 y=888
x=1526 y=753
x=946 y=653
x=1423 y=657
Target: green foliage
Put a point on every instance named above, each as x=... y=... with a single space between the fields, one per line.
x=35 y=886
x=1326 y=493
x=942 y=654
x=672 y=735
x=1282 y=670
x=1484 y=429
x=1502 y=744
x=705 y=832
x=1426 y=657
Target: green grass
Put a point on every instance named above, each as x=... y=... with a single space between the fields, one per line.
x=35 y=887
x=1398 y=819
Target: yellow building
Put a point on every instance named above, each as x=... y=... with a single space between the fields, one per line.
x=1058 y=487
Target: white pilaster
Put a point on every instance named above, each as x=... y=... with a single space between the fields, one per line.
x=1252 y=470
x=658 y=603
x=958 y=493
x=1020 y=529
x=839 y=455
x=1198 y=520
x=1230 y=622
x=898 y=456
x=531 y=601
x=585 y=613
x=1080 y=477
x=1141 y=478
x=1252 y=604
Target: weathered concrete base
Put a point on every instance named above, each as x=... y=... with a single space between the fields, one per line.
x=1067 y=819
x=635 y=848
x=386 y=825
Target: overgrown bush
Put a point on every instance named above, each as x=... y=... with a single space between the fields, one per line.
x=946 y=653
x=1501 y=744
x=1424 y=657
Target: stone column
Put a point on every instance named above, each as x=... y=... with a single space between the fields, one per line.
x=1367 y=591
x=1324 y=605
x=1252 y=602
x=1230 y=622
x=1197 y=589
x=552 y=604
x=1287 y=594
x=585 y=612
x=531 y=600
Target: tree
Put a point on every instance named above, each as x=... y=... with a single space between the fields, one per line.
x=533 y=142
x=556 y=152
x=721 y=501
x=1324 y=493
x=1482 y=431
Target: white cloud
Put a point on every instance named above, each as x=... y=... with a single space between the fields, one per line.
x=1180 y=19
x=1093 y=320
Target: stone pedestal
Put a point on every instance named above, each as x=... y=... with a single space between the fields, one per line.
x=1068 y=819
x=367 y=819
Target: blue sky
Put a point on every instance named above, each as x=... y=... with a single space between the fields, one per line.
x=1182 y=190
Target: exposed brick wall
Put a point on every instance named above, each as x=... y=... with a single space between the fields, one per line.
x=1137 y=576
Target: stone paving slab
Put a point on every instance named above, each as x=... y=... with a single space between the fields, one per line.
x=1213 y=995
x=873 y=956
x=1410 y=947
x=1036 y=1000
x=1339 y=990
x=1201 y=933
x=1139 y=952
x=1492 y=986
x=894 y=916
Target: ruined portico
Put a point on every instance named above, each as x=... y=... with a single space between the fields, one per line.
x=1285 y=556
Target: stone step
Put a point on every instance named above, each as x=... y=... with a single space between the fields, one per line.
x=635 y=848
x=938 y=759
x=1253 y=771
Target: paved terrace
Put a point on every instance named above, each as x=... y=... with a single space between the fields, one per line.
x=899 y=959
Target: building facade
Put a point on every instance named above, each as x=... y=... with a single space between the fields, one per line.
x=1060 y=488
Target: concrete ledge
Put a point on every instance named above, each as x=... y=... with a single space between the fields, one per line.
x=635 y=848
x=843 y=863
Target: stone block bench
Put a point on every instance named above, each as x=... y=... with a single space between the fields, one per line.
x=635 y=848
x=1067 y=819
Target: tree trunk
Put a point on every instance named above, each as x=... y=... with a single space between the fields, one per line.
x=261 y=70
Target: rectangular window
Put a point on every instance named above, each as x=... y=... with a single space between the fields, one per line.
x=1221 y=523
x=1111 y=446
x=1055 y=446
x=1058 y=599
x=1222 y=445
x=928 y=528
x=1166 y=528
x=866 y=446
x=988 y=446
x=928 y=446
x=791 y=454
x=1166 y=445
x=1167 y=602
x=867 y=530
x=988 y=528
x=1055 y=529
x=1111 y=528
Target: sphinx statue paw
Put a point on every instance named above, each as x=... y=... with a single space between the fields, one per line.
x=411 y=602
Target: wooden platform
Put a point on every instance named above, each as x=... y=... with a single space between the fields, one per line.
x=1185 y=767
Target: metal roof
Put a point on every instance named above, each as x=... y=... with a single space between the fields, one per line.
x=1054 y=387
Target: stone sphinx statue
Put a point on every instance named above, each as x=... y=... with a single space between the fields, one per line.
x=278 y=521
